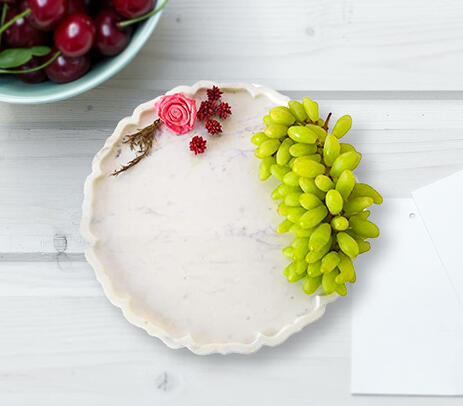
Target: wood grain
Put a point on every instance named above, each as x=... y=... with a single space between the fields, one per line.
x=308 y=44
x=395 y=66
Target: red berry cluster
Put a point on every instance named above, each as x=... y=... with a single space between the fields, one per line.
x=210 y=108
x=198 y=145
x=213 y=107
x=83 y=30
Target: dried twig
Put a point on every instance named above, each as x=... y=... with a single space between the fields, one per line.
x=142 y=141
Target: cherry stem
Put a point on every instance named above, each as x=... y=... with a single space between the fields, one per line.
x=44 y=65
x=143 y=17
x=14 y=19
x=2 y=18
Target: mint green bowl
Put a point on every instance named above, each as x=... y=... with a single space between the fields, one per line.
x=12 y=90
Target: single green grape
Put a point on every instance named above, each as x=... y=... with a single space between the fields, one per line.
x=301 y=267
x=329 y=262
x=288 y=252
x=311 y=284
x=301 y=247
x=313 y=270
x=282 y=115
x=315 y=256
x=313 y=217
x=298 y=231
x=345 y=183
x=347 y=244
x=334 y=201
x=292 y=199
x=346 y=267
x=291 y=178
x=264 y=167
x=284 y=189
x=364 y=214
x=259 y=138
x=357 y=204
x=339 y=223
x=283 y=156
x=324 y=183
x=348 y=160
x=364 y=246
x=364 y=228
x=267 y=148
x=328 y=281
x=346 y=147
x=311 y=108
x=283 y=210
x=293 y=276
x=298 y=149
x=362 y=189
x=307 y=168
x=342 y=126
x=284 y=227
x=302 y=134
x=331 y=150
x=267 y=120
x=298 y=111
x=276 y=131
x=309 y=201
x=320 y=237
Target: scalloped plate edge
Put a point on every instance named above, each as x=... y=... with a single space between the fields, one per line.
x=123 y=301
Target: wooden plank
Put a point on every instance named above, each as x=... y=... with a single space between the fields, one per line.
x=307 y=44
x=57 y=349
x=406 y=143
x=62 y=277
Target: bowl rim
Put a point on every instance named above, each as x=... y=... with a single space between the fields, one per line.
x=145 y=32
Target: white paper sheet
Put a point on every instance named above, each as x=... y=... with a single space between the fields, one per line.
x=406 y=332
x=440 y=206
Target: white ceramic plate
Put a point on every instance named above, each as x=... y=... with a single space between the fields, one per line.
x=185 y=245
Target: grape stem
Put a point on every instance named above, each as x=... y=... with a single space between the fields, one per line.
x=143 y=17
x=44 y=65
x=14 y=19
x=325 y=126
x=2 y=18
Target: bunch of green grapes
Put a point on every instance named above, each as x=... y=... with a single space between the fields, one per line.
x=324 y=205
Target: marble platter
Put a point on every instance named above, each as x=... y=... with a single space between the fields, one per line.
x=185 y=245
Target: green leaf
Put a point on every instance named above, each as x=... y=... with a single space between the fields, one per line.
x=39 y=51
x=11 y=58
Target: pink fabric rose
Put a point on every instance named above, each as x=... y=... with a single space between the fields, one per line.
x=177 y=112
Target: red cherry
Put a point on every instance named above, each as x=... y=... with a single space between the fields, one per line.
x=110 y=38
x=76 y=6
x=66 y=69
x=75 y=35
x=21 y=34
x=32 y=77
x=46 y=14
x=105 y=4
x=133 y=8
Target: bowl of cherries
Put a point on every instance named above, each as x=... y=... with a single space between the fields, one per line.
x=52 y=50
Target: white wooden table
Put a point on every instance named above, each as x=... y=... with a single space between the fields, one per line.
x=394 y=65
